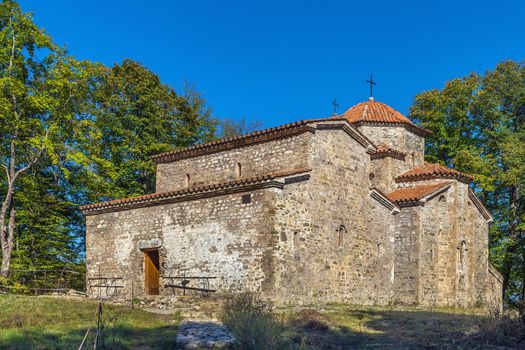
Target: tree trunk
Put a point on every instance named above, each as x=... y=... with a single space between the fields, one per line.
x=523 y=275
x=7 y=246
x=508 y=260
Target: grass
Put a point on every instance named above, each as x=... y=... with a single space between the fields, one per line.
x=347 y=327
x=56 y=323
x=352 y=327
x=28 y=322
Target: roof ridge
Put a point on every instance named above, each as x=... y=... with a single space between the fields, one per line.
x=166 y=156
x=372 y=111
x=384 y=150
x=432 y=171
x=413 y=195
x=159 y=196
x=281 y=131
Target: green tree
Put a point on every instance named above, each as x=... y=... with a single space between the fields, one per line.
x=478 y=125
x=138 y=116
x=42 y=92
x=75 y=132
x=230 y=127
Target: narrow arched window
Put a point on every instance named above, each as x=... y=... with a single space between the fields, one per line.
x=463 y=248
x=413 y=157
x=188 y=180
x=295 y=240
x=340 y=235
x=238 y=171
x=462 y=255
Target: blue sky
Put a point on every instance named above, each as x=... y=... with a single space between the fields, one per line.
x=282 y=61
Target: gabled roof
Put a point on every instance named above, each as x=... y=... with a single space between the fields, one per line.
x=433 y=171
x=386 y=151
x=417 y=194
x=374 y=112
x=234 y=142
x=269 y=134
x=195 y=192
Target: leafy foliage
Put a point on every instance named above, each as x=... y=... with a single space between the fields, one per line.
x=42 y=98
x=139 y=116
x=74 y=132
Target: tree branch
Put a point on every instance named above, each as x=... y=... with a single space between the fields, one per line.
x=13 y=46
x=32 y=160
x=6 y=172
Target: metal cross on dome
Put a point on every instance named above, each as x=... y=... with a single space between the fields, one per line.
x=372 y=83
x=335 y=105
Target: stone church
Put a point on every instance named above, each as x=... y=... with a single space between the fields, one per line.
x=339 y=209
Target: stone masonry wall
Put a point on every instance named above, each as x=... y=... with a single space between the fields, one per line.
x=398 y=137
x=453 y=251
x=217 y=237
x=333 y=246
x=383 y=172
x=258 y=159
x=319 y=239
x=406 y=256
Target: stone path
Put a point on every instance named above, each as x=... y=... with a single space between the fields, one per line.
x=203 y=334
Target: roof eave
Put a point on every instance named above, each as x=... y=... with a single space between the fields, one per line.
x=483 y=210
x=383 y=199
x=414 y=128
x=223 y=144
x=414 y=178
x=243 y=185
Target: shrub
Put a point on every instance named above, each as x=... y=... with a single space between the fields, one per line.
x=251 y=321
x=11 y=286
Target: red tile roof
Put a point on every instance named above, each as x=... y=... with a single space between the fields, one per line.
x=277 y=132
x=433 y=171
x=376 y=112
x=160 y=198
x=386 y=151
x=415 y=194
x=233 y=142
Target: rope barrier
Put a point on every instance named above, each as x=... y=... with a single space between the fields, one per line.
x=98 y=340
x=84 y=340
x=98 y=315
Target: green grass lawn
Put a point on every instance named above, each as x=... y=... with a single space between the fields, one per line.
x=28 y=322
x=57 y=323
x=349 y=327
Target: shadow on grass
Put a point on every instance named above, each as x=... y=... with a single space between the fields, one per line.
x=118 y=337
x=376 y=329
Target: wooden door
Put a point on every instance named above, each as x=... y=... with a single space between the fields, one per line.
x=151 y=272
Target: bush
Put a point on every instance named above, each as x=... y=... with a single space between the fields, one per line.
x=11 y=286
x=251 y=321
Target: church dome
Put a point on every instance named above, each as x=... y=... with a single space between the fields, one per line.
x=374 y=111
x=377 y=112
